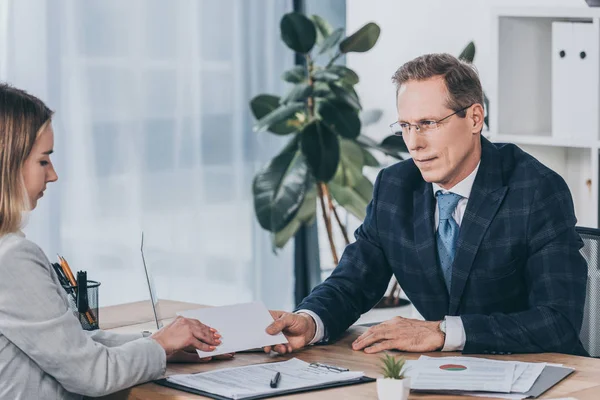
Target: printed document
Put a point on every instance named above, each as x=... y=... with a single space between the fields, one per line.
x=470 y=374
x=254 y=380
x=474 y=376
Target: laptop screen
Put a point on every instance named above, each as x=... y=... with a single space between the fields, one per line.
x=151 y=288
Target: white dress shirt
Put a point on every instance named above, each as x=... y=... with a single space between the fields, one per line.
x=455 y=331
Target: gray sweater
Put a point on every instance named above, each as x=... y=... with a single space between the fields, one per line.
x=44 y=353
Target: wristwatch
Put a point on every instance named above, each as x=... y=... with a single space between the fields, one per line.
x=443 y=326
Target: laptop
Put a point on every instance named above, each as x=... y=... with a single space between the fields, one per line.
x=151 y=289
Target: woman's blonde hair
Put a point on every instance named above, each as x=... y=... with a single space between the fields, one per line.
x=22 y=118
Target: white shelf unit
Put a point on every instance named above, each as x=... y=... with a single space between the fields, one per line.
x=521 y=99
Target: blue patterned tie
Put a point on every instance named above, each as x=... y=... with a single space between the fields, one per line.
x=447 y=233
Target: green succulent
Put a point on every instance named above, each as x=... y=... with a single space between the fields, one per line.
x=391 y=367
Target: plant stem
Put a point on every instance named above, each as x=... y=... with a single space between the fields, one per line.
x=337 y=217
x=330 y=63
x=327 y=219
x=310 y=102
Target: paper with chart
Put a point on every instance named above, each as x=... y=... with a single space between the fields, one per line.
x=241 y=326
x=426 y=377
x=254 y=380
x=525 y=373
x=444 y=373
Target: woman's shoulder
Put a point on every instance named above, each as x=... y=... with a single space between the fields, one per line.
x=16 y=247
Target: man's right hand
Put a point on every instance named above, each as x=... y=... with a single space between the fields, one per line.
x=185 y=333
x=299 y=329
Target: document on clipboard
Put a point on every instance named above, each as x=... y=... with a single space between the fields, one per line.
x=254 y=381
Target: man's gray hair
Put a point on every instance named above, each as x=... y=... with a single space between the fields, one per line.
x=461 y=78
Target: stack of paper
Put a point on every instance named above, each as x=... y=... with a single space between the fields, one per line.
x=473 y=376
x=254 y=380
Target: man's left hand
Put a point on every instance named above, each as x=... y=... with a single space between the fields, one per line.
x=401 y=334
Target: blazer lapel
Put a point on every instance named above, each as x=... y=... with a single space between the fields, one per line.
x=423 y=222
x=486 y=196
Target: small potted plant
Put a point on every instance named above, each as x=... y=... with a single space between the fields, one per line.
x=393 y=385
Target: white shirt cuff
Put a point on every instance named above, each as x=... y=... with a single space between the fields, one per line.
x=320 y=331
x=456 y=336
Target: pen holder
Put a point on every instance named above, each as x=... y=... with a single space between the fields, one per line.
x=89 y=319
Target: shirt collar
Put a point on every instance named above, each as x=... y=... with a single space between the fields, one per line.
x=462 y=188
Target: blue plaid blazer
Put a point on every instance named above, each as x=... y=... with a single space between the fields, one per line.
x=518 y=279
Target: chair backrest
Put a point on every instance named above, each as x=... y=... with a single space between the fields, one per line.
x=590 y=330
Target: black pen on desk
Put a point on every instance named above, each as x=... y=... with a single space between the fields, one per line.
x=275 y=380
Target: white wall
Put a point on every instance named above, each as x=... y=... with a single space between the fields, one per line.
x=410 y=28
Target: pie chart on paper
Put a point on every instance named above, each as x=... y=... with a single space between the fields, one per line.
x=453 y=367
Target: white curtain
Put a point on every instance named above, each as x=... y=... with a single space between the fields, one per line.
x=153 y=134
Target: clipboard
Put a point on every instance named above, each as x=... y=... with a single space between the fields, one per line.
x=165 y=382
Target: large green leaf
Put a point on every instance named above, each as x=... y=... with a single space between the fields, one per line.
x=468 y=53
x=324 y=29
x=367 y=142
x=348 y=75
x=264 y=104
x=370 y=160
x=351 y=163
x=353 y=199
x=362 y=40
x=370 y=117
x=277 y=116
x=364 y=188
x=295 y=75
x=394 y=143
x=322 y=90
x=340 y=117
x=306 y=214
x=298 y=32
x=279 y=188
x=346 y=95
x=331 y=40
x=298 y=93
x=325 y=76
x=322 y=150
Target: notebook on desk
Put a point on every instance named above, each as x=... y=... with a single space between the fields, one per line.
x=253 y=381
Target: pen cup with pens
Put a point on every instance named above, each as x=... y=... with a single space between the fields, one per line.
x=82 y=294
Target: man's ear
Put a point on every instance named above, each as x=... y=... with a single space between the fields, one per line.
x=477 y=118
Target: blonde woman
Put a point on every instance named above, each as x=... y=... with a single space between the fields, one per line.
x=44 y=353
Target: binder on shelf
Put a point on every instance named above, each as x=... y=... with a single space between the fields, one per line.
x=575 y=88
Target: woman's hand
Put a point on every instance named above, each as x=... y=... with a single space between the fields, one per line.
x=190 y=355
x=187 y=333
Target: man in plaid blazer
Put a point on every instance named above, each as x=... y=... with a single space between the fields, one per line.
x=480 y=236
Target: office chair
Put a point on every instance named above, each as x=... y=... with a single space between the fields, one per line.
x=590 y=330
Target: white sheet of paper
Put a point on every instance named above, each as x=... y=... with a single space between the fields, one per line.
x=477 y=375
x=525 y=373
x=241 y=326
x=253 y=380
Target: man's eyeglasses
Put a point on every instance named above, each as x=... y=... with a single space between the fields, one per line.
x=423 y=127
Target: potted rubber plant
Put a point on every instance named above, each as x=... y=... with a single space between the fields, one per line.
x=322 y=115
x=393 y=385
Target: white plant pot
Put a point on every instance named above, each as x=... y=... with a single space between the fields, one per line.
x=393 y=389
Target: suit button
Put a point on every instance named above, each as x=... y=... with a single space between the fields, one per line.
x=485 y=352
x=492 y=352
x=500 y=352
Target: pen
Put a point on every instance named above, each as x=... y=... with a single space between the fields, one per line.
x=69 y=274
x=275 y=380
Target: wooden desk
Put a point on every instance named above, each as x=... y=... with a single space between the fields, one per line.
x=582 y=384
